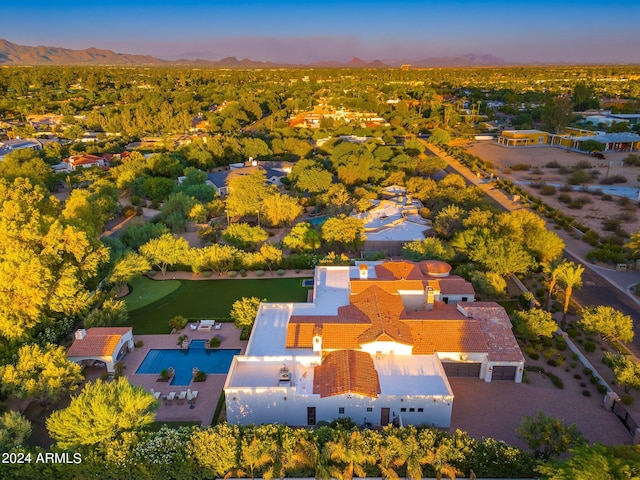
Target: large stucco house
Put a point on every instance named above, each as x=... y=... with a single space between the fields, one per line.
x=376 y=344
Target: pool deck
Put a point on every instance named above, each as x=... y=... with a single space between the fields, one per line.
x=208 y=391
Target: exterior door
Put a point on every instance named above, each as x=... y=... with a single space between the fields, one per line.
x=384 y=416
x=311 y=415
x=461 y=369
x=503 y=373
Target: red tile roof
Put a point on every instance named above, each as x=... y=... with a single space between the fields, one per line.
x=434 y=267
x=399 y=270
x=429 y=336
x=390 y=286
x=98 y=342
x=346 y=371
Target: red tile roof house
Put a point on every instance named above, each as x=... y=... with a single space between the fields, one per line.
x=376 y=344
x=101 y=344
x=86 y=160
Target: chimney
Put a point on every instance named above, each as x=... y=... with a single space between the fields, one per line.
x=428 y=305
x=317 y=340
x=364 y=272
x=81 y=333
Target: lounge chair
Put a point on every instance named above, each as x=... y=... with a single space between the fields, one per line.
x=193 y=326
x=156 y=395
x=171 y=397
x=194 y=395
x=181 y=398
x=218 y=326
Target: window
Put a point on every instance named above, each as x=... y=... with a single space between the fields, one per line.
x=464 y=299
x=340 y=410
x=369 y=409
x=403 y=409
x=420 y=410
x=445 y=299
x=311 y=415
x=412 y=409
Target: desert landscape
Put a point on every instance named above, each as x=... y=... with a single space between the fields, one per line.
x=547 y=171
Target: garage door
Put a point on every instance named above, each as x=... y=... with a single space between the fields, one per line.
x=503 y=373
x=455 y=369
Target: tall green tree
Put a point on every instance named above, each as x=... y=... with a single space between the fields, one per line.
x=15 y=430
x=43 y=373
x=165 y=251
x=343 y=232
x=349 y=449
x=626 y=370
x=551 y=270
x=548 y=436
x=302 y=238
x=608 y=322
x=244 y=311
x=534 y=323
x=595 y=462
x=100 y=413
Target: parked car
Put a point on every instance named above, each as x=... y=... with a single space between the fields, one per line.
x=597 y=154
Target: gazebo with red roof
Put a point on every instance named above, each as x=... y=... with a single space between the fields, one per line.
x=104 y=344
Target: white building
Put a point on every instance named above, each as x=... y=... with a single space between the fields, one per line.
x=375 y=344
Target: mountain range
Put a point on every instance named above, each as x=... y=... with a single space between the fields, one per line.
x=13 y=54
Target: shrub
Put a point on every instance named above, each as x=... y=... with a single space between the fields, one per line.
x=243 y=273
x=572 y=332
x=586 y=393
x=564 y=198
x=139 y=344
x=614 y=179
x=591 y=237
x=232 y=274
x=589 y=347
x=260 y=273
x=178 y=322
x=200 y=376
x=207 y=274
x=578 y=177
x=610 y=225
x=577 y=376
x=280 y=272
x=534 y=355
x=561 y=345
x=553 y=164
x=601 y=388
x=557 y=381
x=583 y=164
x=594 y=380
x=552 y=362
x=547 y=190
x=627 y=399
x=520 y=167
x=587 y=371
x=214 y=342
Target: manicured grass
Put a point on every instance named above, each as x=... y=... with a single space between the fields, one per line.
x=202 y=299
x=145 y=291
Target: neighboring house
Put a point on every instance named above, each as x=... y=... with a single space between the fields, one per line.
x=376 y=344
x=9 y=146
x=613 y=142
x=84 y=160
x=101 y=344
x=522 y=138
x=274 y=173
x=392 y=222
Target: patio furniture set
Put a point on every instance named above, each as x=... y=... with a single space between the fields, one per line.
x=178 y=398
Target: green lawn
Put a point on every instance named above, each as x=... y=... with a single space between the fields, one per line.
x=197 y=300
x=145 y=291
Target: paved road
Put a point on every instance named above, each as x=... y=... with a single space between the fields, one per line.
x=598 y=291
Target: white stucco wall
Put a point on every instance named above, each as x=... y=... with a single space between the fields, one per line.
x=386 y=348
x=413 y=300
x=259 y=405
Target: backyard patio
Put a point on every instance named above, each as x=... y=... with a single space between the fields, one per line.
x=208 y=391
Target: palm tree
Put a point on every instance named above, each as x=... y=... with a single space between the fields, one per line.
x=412 y=454
x=439 y=459
x=350 y=449
x=551 y=270
x=390 y=456
x=570 y=277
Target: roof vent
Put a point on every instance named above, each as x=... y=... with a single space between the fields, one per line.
x=284 y=376
x=81 y=333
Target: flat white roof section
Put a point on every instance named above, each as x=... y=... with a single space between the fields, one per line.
x=411 y=375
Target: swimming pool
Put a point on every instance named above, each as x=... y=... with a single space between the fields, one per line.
x=317 y=221
x=183 y=361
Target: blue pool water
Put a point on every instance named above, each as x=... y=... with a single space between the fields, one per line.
x=183 y=361
x=317 y=221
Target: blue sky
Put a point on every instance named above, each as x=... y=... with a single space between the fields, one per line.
x=304 y=31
